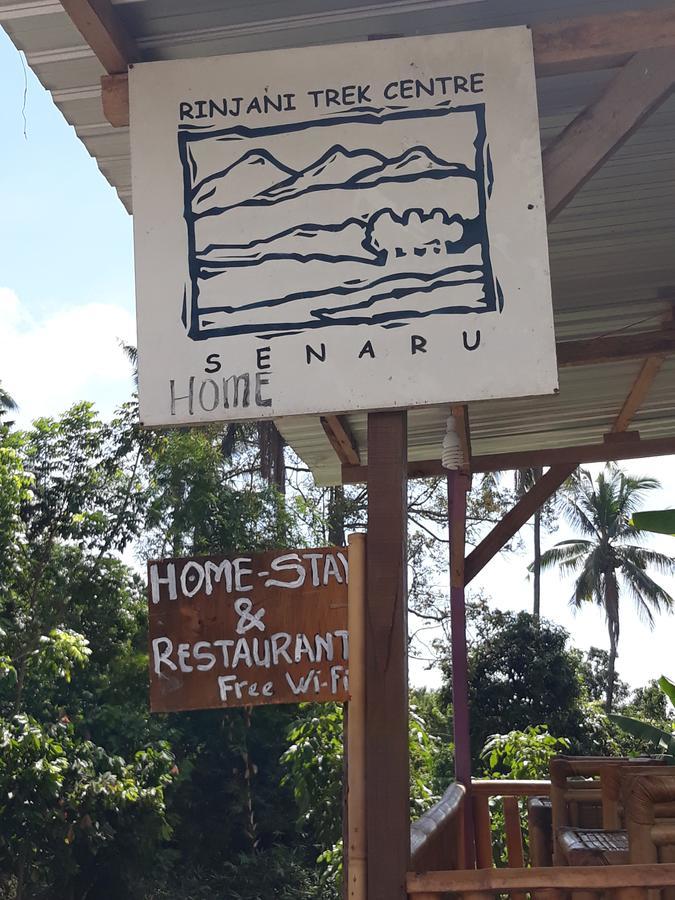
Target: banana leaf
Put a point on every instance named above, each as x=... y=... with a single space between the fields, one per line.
x=659 y=738
x=668 y=688
x=659 y=520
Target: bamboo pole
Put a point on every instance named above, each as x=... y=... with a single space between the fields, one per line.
x=356 y=744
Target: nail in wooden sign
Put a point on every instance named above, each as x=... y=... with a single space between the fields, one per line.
x=248 y=630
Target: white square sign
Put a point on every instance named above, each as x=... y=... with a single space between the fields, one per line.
x=350 y=227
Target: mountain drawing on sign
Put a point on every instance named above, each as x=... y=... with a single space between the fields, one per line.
x=318 y=224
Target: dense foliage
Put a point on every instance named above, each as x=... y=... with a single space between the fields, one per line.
x=99 y=799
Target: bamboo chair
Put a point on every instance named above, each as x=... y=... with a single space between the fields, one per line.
x=587 y=814
x=649 y=807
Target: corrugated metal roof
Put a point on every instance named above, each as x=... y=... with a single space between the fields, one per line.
x=612 y=250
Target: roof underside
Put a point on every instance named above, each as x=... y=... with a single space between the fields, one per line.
x=612 y=249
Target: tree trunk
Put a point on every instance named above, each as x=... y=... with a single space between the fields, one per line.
x=612 y=613
x=537 y=472
x=336 y=516
x=272 y=464
x=536 y=567
x=611 y=671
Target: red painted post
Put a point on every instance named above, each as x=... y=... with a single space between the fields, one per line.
x=458 y=485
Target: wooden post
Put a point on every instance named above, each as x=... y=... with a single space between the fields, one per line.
x=387 y=764
x=356 y=708
x=458 y=485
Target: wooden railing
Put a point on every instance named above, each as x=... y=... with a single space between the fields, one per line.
x=626 y=882
x=511 y=794
x=437 y=843
x=437 y=838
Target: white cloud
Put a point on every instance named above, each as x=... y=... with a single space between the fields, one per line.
x=67 y=356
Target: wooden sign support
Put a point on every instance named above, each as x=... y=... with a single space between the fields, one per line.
x=356 y=747
x=386 y=734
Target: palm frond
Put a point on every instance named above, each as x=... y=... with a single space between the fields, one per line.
x=564 y=553
x=648 y=596
x=643 y=557
x=588 y=587
x=578 y=517
x=131 y=354
x=7 y=402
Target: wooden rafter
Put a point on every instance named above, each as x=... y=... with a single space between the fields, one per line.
x=573 y=45
x=582 y=454
x=638 y=392
x=341 y=439
x=514 y=520
x=639 y=86
x=600 y=42
x=115 y=99
x=645 y=379
x=626 y=448
x=628 y=345
x=618 y=439
x=99 y=24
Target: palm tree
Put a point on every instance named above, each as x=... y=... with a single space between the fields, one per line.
x=524 y=479
x=608 y=565
x=7 y=403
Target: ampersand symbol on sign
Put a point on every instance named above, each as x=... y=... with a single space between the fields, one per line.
x=247 y=620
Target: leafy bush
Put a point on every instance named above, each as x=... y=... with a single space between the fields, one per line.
x=653 y=738
x=74 y=821
x=517 y=755
x=522 y=754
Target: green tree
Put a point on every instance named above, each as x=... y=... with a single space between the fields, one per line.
x=606 y=562
x=594 y=669
x=651 y=704
x=314 y=764
x=76 y=822
x=521 y=673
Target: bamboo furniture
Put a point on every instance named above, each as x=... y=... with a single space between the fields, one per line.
x=646 y=798
x=586 y=814
x=539 y=826
x=649 y=808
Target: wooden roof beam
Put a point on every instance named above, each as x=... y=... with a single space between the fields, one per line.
x=619 y=448
x=625 y=446
x=601 y=41
x=515 y=518
x=591 y=138
x=642 y=384
x=629 y=345
x=573 y=45
x=99 y=24
x=341 y=439
x=638 y=392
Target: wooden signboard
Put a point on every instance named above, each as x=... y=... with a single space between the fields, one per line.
x=248 y=630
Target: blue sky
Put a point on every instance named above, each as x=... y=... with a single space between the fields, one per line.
x=67 y=298
x=66 y=264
